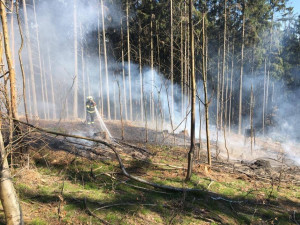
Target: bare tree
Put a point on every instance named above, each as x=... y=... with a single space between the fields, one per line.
x=32 y=78
x=21 y=62
x=204 y=74
x=129 y=62
x=172 y=59
x=223 y=64
x=123 y=70
x=75 y=96
x=242 y=68
x=100 y=66
x=9 y=199
x=105 y=61
x=141 y=72
x=193 y=94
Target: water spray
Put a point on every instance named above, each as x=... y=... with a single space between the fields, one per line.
x=102 y=124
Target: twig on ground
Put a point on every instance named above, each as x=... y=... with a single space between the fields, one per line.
x=93 y=214
x=133 y=146
x=134 y=186
x=226 y=200
x=211 y=182
x=294 y=217
x=124 y=204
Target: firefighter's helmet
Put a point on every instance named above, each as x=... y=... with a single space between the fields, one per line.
x=90 y=97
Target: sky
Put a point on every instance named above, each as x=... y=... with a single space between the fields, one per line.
x=296 y=5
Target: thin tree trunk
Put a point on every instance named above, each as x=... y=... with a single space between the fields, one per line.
x=29 y=98
x=226 y=89
x=100 y=66
x=105 y=61
x=204 y=73
x=242 y=69
x=115 y=102
x=83 y=75
x=52 y=86
x=264 y=99
x=43 y=93
x=231 y=86
x=12 y=32
x=129 y=62
x=9 y=199
x=141 y=72
x=223 y=65
x=40 y=60
x=171 y=59
x=121 y=112
x=152 y=64
x=185 y=89
x=21 y=62
x=218 y=92
x=251 y=117
x=123 y=72
x=193 y=94
x=75 y=97
x=32 y=78
x=46 y=89
x=181 y=64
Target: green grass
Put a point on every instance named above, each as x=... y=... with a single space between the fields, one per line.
x=37 y=221
x=178 y=207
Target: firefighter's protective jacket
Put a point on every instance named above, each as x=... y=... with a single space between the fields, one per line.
x=90 y=106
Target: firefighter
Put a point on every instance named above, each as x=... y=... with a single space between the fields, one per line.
x=90 y=110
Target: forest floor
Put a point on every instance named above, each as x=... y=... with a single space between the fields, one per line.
x=68 y=181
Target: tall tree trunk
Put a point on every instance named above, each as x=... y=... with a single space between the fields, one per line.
x=251 y=117
x=123 y=71
x=12 y=32
x=218 y=92
x=141 y=73
x=21 y=62
x=231 y=86
x=223 y=64
x=9 y=200
x=242 y=69
x=206 y=103
x=100 y=66
x=52 y=86
x=46 y=89
x=185 y=84
x=171 y=59
x=105 y=61
x=32 y=78
x=115 y=101
x=193 y=95
x=264 y=99
x=181 y=64
x=129 y=62
x=75 y=97
x=40 y=60
x=152 y=63
x=83 y=74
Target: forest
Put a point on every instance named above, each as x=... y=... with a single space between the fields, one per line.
x=149 y=112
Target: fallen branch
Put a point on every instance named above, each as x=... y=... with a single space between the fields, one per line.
x=133 y=146
x=93 y=214
x=123 y=204
x=226 y=200
x=162 y=164
x=134 y=186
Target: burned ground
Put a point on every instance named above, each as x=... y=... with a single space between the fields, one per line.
x=78 y=181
